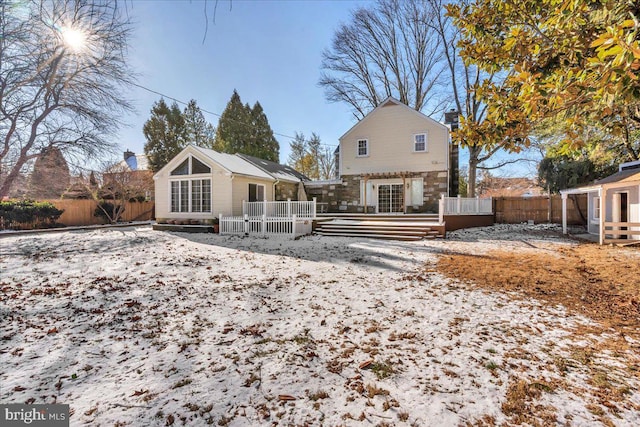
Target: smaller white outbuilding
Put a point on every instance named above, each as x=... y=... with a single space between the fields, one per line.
x=613 y=205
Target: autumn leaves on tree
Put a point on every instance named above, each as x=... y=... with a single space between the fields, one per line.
x=574 y=60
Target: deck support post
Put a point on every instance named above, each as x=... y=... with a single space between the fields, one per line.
x=564 y=213
x=602 y=194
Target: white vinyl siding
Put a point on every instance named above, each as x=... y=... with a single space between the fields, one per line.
x=362 y=148
x=390 y=132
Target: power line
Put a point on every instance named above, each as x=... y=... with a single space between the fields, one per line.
x=215 y=114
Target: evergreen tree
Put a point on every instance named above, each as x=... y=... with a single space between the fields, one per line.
x=166 y=134
x=246 y=130
x=233 y=130
x=50 y=176
x=198 y=130
x=263 y=144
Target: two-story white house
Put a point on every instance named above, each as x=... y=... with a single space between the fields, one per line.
x=395 y=160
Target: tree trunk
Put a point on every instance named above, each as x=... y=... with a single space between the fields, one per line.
x=8 y=180
x=473 y=171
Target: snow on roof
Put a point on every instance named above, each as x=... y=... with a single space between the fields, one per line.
x=234 y=163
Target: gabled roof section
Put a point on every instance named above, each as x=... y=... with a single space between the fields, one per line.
x=624 y=176
x=391 y=101
x=278 y=171
x=628 y=176
x=233 y=163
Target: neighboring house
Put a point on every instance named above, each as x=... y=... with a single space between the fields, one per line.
x=613 y=205
x=135 y=162
x=132 y=174
x=394 y=160
x=200 y=184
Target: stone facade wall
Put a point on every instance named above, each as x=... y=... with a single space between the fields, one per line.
x=286 y=190
x=344 y=196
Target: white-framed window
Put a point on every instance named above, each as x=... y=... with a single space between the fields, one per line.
x=190 y=166
x=191 y=195
x=420 y=142
x=596 y=208
x=256 y=192
x=362 y=148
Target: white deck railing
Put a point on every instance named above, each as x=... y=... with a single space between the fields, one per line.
x=284 y=209
x=265 y=226
x=465 y=206
x=286 y=218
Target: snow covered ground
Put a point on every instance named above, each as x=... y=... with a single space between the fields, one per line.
x=136 y=327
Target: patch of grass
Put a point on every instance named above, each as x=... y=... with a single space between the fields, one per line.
x=224 y=421
x=382 y=369
x=252 y=378
x=373 y=390
x=403 y=416
x=491 y=351
x=583 y=356
x=374 y=327
x=397 y=336
x=192 y=406
x=558 y=277
x=519 y=404
x=491 y=365
x=320 y=394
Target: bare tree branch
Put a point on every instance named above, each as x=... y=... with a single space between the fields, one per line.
x=63 y=72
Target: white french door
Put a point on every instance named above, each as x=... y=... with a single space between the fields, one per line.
x=390 y=198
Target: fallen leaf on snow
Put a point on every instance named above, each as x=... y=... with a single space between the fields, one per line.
x=285 y=397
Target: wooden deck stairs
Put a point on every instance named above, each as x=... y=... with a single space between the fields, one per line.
x=382 y=227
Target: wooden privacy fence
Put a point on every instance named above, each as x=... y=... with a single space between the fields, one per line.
x=81 y=212
x=514 y=210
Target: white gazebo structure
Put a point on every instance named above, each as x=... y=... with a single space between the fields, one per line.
x=613 y=205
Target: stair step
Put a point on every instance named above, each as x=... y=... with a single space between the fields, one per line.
x=376 y=229
x=368 y=230
x=374 y=236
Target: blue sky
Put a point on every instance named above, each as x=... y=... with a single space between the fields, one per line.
x=269 y=51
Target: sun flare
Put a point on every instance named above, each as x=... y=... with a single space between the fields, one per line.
x=73 y=38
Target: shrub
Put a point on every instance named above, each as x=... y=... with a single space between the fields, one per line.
x=109 y=211
x=25 y=214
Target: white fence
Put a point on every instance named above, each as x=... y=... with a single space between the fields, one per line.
x=265 y=226
x=465 y=206
x=285 y=218
x=285 y=209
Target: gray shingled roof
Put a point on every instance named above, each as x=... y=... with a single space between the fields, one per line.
x=278 y=171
